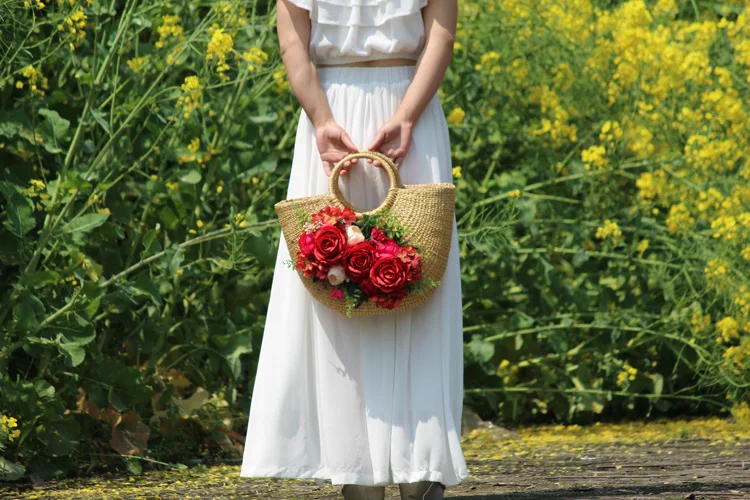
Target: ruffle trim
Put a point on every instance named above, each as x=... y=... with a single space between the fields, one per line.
x=361 y=12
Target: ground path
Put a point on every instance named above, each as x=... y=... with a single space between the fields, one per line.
x=699 y=459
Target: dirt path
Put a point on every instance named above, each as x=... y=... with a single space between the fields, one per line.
x=701 y=459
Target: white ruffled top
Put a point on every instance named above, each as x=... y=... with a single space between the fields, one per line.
x=346 y=31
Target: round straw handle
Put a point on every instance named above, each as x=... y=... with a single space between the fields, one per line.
x=390 y=168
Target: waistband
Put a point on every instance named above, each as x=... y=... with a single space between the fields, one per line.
x=366 y=75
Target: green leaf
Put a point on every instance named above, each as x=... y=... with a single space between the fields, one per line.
x=85 y=223
x=99 y=117
x=37 y=278
x=60 y=436
x=9 y=128
x=10 y=471
x=58 y=125
x=19 y=217
x=73 y=353
x=72 y=334
x=173 y=259
x=134 y=466
x=481 y=349
x=527 y=211
x=146 y=285
x=151 y=245
x=658 y=383
x=231 y=348
x=192 y=177
x=124 y=384
x=27 y=312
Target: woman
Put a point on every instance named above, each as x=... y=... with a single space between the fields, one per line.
x=371 y=401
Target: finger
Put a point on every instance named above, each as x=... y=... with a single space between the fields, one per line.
x=348 y=142
x=327 y=168
x=378 y=141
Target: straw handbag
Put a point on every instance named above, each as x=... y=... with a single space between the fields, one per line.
x=426 y=210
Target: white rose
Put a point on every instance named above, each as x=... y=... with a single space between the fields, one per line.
x=354 y=235
x=336 y=275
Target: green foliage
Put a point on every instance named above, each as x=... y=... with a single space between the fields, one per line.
x=137 y=230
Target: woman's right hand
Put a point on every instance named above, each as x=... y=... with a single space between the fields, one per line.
x=333 y=145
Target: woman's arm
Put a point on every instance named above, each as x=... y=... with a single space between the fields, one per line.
x=440 y=18
x=293 y=26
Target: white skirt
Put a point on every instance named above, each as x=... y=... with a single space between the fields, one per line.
x=373 y=400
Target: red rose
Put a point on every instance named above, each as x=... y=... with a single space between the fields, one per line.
x=388 y=274
x=368 y=287
x=337 y=294
x=390 y=300
x=306 y=244
x=329 y=242
x=358 y=260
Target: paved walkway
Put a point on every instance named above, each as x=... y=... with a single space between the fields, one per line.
x=699 y=459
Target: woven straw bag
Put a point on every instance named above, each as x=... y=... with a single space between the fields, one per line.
x=426 y=209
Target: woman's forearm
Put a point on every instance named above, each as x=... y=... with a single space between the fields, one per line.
x=440 y=29
x=301 y=71
x=303 y=78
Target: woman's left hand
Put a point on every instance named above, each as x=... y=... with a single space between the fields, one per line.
x=393 y=140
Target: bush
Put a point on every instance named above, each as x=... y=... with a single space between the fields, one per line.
x=619 y=286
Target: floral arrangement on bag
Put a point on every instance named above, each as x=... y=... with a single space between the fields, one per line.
x=360 y=259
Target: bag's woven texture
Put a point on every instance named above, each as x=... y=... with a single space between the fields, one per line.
x=425 y=209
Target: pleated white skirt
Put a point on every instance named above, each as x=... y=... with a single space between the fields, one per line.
x=373 y=400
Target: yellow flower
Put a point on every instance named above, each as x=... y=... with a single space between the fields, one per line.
x=199 y=223
x=642 y=246
x=679 y=219
x=35 y=79
x=594 y=156
x=728 y=328
x=456 y=116
x=170 y=27
x=279 y=76
x=628 y=373
x=256 y=57
x=220 y=45
x=457 y=172
x=195 y=145
x=137 y=63
x=609 y=228
x=190 y=100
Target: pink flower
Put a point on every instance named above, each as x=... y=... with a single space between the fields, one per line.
x=337 y=294
x=307 y=244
